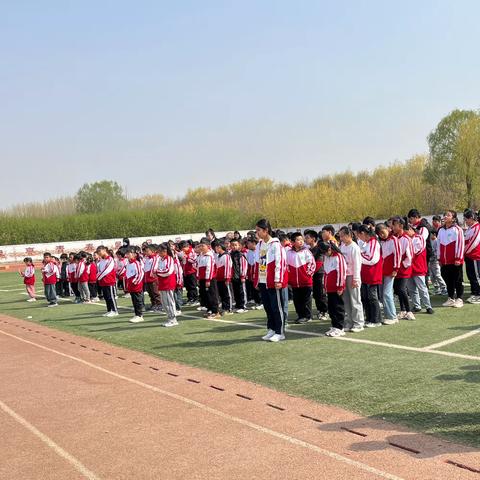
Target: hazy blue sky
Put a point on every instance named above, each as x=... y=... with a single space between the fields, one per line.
x=164 y=96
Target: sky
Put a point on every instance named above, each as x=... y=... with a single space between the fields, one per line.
x=166 y=96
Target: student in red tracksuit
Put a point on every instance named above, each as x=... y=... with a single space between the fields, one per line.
x=179 y=287
x=206 y=275
x=92 y=278
x=253 y=295
x=134 y=280
x=335 y=269
x=107 y=279
x=121 y=271
x=371 y=274
x=472 y=255
x=50 y=274
x=223 y=263
x=81 y=275
x=271 y=278
x=167 y=282
x=71 y=276
x=405 y=270
x=151 y=280
x=239 y=275
x=450 y=253
x=301 y=267
x=188 y=259
x=29 y=278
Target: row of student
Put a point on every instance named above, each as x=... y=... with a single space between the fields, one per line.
x=399 y=265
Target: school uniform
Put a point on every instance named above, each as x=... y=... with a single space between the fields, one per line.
x=207 y=272
x=239 y=276
x=416 y=285
x=107 y=279
x=134 y=278
x=451 y=250
x=64 y=283
x=92 y=280
x=318 y=290
x=472 y=257
x=72 y=280
x=29 y=280
x=151 y=281
x=179 y=288
x=352 y=297
x=404 y=272
x=167 y=283
x=223 y=263
x=334 y=281
x=50 y=274
x=301 y=267
x=391 y=263
x=271 y=268
x=253 y=295
x=189 y=265
x=121 y=270
x=434 y=271
x=372 y=276
x=81 y=274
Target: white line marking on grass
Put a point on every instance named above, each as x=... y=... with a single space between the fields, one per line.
x=14 y=290
x=453 y=340
x=50 y=443
x=218 y=413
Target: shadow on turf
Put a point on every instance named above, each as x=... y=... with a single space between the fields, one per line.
x=471 y=375
x=445 y=425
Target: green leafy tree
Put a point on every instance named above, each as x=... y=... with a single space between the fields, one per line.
x=100 y=197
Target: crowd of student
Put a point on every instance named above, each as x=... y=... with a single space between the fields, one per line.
x=352 y=275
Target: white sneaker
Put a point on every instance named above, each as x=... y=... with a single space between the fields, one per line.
x=111 y=314
x=458 y=303
x=449 y=303
x=202 y=309
x=476 y=300
x=52 y=305
x=372 y=325
x=170 y=323
x=410 y=316
x=329 y=331
x=136 y=319
x=195 y=304
x=335 y=332
x=277 y=338
x=32 y=300
x=390 y=321
x=269 y=335
x=178 y=313
x=357 y=329
x=259 y=307
x=402 y=315
x=240 y=310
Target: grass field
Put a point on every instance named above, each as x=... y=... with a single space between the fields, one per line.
x=388 y=372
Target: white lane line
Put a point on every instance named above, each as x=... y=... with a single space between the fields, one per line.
x=50 y=443
x=453 y=340
x=218 y=413
x=14 y=290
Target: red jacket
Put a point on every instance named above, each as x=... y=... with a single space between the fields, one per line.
x=177 y=266
x=206 y=267
x=189 y=262
x=419 y=260
x=251 y=262
x=372 y=264
x=167 y=279
x=450 y=245
x=29 y=275
x=71 y=269
x=92 y=275
x=134 y=276
x=82 y=271
x=406 y=255
x=271 y=264
x=301 y=267
x=150 y=268
x=106 y=275
x=391 y=255
x=335 y=272
x=50 y=273
x=472 y=242
x=223 y=263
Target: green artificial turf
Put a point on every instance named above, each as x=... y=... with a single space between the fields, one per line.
x=430 y=393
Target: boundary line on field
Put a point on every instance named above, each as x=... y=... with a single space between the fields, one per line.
x=253 y=426
x=49 y=442
x=428 y=349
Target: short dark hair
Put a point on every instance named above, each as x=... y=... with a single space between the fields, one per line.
x=328 y=228
x=311 y=233
x=295 y=235
x=346 y=231
x=413 y=213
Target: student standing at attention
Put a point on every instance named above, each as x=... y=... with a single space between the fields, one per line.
x=50 y=274
x=134 y=280
x=270 y=278
x=28 y=275
x=107 y=279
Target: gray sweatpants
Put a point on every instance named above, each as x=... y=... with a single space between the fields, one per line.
x=84 y=291
x=436 y=275
x=353 y=305
x=168 y=303
x=418 y=291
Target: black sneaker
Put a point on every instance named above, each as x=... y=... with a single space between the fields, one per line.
x=430 y=311
x=416 y=310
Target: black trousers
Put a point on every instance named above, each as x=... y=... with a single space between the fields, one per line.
x=138 y=303
x=274 y=305
x=225 y=294
x=252 y=293
x=371 y=305
x=302 y=299
x=191 y=285
x=93 y=290
x=336 y=309
x=65 y=291
x=400 y=290
x=239 y=293
x=74 y=286
x=319 y=294
x=152 y=290
x=453 y=277
x=209 y=296
x=109 y=296
x=473 y=274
